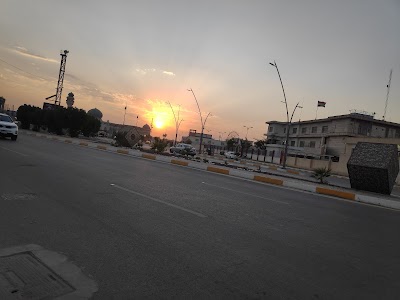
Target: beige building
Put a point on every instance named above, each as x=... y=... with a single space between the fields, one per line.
x=328 y=136
x=208 y=141
x=111 y=129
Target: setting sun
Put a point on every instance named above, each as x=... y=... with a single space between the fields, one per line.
x=159 y=123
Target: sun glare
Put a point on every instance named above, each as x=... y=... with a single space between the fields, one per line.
x=159 y=123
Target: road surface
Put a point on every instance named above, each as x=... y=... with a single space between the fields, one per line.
x=145 y=229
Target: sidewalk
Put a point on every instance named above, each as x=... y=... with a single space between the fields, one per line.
x=301 y=174
x=288 y=178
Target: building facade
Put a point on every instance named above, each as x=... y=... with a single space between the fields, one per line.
x=327 y=136
x=111 y=129
x=208 y=141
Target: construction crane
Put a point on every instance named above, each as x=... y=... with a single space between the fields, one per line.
x=60 y=82
x=387 y=94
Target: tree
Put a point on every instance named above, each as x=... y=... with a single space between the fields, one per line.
x=24 y=116
x=75 y=119
x=321 y=174
x=159 y=145
x=230 y=143
x=261 y=144
x=91 y=126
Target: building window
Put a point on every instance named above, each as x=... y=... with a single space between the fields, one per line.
x=312 y=144
x=301 y=143
x=294 y=130
x=314 y=129
x=304 y=130
x=271 y=129
x=324 y=129
x=292 y=143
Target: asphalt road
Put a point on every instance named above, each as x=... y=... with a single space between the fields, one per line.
x=144 y=229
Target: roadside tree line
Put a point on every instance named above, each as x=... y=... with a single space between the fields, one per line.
x=59 y=120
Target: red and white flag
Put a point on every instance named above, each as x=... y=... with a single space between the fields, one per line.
x=321 y=104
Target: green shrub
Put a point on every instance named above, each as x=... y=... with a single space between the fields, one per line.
x=321 y=173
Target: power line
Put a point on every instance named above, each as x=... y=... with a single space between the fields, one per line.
x=23 y=70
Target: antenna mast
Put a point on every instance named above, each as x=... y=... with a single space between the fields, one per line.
x=387 y=94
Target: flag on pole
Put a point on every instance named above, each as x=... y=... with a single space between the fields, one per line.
x=321 y=104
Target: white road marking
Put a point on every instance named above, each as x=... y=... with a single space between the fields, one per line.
x=159 y=201
x=244 y=193
x=13 y=151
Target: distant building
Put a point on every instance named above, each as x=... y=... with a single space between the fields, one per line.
x=208 y=141
x=111 y=129
x=2 y=103
x=70 y=100
x=94 y=112
x=327 y=136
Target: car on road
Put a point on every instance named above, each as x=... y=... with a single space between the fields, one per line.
x=182 y=148
x=7 y=127
x=230 y=154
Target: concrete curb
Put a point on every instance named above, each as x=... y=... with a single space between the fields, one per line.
x=294 y=184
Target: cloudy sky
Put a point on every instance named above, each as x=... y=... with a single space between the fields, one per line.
x=145 y=53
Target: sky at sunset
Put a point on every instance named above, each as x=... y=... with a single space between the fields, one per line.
x=144 y=54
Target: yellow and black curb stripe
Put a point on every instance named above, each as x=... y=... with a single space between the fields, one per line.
x=218 y=170
x=179 y=162
x=121 y=151
x=336 y=193
x=149 y=156
x=268 y=180
x=293 y=172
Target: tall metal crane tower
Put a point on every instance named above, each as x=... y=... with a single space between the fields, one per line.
x=60 y=82
x=387 y=94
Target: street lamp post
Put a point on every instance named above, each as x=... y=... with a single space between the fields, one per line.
x=247 y=131
x=221 y=134
x=287 y=116
x=177 y=121
x=203 y=124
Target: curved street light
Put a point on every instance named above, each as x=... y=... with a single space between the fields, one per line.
x=177 y=121
x=203 y=124
x=221 y=134
x=247 y=131
x=288 y=121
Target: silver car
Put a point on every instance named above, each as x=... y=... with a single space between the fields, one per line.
x=7 y=127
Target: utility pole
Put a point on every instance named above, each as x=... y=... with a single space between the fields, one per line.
x=60 y=82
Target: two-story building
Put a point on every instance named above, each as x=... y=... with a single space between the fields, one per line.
x=208 y=141
x=327 y=136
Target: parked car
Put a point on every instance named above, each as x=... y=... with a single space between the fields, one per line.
x=182 y=148
x=7 y=127
x=230 y=154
